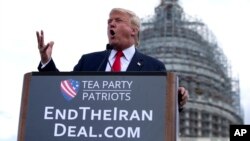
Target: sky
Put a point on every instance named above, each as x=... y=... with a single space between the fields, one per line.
x=79 y=26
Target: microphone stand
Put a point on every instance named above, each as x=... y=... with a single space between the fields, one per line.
x=108 y=50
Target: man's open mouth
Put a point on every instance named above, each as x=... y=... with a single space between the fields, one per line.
x=112 y=32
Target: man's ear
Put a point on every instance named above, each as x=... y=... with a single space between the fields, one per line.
x=134 y=31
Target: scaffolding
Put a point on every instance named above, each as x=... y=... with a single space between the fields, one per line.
x=189 y=48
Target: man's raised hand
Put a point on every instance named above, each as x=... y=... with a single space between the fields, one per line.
x=45 y=50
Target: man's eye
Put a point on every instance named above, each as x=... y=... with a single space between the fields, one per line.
x=118 y=20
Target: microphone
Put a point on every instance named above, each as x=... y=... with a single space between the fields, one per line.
x=108 y=50
x=109 y=47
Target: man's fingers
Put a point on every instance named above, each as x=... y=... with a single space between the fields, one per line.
x=181 y=90
x=183 y=96
x=49 y=45
x=43 y=49
x=38 y=38
x=42 y=38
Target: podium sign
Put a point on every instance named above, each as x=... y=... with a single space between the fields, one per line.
x=95 y=106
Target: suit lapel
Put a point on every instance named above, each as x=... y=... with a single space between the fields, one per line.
x=103 y=66
x=136 y=63
x=103 y=63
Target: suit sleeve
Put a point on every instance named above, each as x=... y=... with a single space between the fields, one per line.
x=79 y=65
x=162 y=67
x=51 y=66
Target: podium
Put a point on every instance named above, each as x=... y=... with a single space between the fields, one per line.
x=99 y=106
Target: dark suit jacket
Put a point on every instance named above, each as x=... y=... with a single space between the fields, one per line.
x=97 y=61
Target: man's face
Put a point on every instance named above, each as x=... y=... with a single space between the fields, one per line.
x=120 y=31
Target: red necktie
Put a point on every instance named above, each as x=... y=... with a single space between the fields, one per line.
x=117 y=64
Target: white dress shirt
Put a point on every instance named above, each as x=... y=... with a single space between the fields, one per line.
x=128 y=54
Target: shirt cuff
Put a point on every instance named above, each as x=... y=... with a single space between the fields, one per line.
x=45 y=64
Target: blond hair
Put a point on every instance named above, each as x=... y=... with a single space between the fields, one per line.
x=135 y=21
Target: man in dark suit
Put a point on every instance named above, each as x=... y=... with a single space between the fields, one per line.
x=98 y=61
x=123 y=34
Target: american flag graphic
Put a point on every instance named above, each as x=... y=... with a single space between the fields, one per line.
x=69 y=88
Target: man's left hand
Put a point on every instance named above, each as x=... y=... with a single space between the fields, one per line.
x=182 y=97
